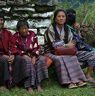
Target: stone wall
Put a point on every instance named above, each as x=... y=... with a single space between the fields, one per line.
x=38 y=16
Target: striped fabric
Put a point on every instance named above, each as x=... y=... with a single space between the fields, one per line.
x=37 y=72
x=88 y=56
x=18 y=72
x=4 y=73
x=68 y=69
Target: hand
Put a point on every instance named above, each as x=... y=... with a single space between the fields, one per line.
x=71 y=44
x=33 y=59
x=77 y=26
x=11 y=59
x=74 y=42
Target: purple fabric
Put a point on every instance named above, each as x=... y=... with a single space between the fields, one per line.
x=68 y=69
x=37 y=72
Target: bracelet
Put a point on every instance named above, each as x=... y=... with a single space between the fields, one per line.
x=65 y=45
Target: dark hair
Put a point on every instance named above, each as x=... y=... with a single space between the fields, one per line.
x=2 y=15
x=22 y=23
x=72 y=11
x=65 y=26
x=71 y=16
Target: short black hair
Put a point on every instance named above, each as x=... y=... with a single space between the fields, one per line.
x=72 y=11
x=71 y=16
x=22 y=23
x=2 y=15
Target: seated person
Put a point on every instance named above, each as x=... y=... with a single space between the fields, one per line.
x=26 y=44
x=67 y=66
x=85 y=52
x=12 y=66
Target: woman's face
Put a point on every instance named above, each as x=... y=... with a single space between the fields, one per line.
x=60 y=18
x=23 y=30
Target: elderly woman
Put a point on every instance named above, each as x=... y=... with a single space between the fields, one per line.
x=67 y=66
x=27 y=46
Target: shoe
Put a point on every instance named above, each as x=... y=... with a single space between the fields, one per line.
x=81 y=84
x=71 y=86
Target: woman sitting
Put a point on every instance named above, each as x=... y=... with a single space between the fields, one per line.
x=67 y=66
x=12 y=66
x=27 y=46
x=85 y=51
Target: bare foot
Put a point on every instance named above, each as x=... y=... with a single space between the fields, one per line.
x=39 y=88
x=30 y=89
x=3 y=88
x=90 y=79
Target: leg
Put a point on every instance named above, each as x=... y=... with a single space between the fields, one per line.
x=4 y=72
x=89 y=73
x=29 y=82
x=90 y=58
x=41 y=71
x=19 y=72
x=68 y=70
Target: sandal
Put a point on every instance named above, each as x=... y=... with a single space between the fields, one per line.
x=72 y=85
x=81 y=84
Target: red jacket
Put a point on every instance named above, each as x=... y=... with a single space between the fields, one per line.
x=7 y=42
x=31 y=43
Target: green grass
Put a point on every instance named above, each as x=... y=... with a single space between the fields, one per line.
x=51 y=88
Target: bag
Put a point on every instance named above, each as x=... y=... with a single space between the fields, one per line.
x=65 y=51
x=59 y=48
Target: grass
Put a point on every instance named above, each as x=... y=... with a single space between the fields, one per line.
x=51 y=88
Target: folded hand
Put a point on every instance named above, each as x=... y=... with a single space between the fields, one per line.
x=11 y=59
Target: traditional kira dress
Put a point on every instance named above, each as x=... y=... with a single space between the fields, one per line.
x=67 y=67
x=26 y=47
x=18 y=66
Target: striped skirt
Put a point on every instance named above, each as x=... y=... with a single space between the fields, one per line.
x=68 y=69
x=37 y=72
x=87 y=56
x=4 y=72
x=17 y=73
